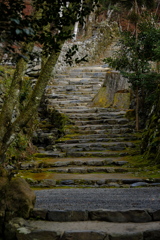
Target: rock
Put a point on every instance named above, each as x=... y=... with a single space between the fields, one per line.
x=152 y=235
x=11 y=227
x=108 y=161
x=94 y=163
x=132 y=215
x=48 y=183
x=67 y=216
x=139 y=184
x=84 y=235
x=120 y=163
x=130 y=181
x=61 y=164
x=67 y=182
x=126 y=236
x=39 y=213
x=101 y=182
x=26 y=234
x=113 y=185
x=156 y=215
x=19 y=199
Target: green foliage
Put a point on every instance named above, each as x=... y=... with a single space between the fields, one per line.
x=49 y=23
x=71 y=53
x=58 y=120
x=135 y=54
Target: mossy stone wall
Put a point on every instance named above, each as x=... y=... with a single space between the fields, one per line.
x=115 y=92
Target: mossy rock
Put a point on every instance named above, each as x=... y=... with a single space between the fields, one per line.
x=122 y=100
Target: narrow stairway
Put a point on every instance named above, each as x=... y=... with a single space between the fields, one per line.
x=88 y=168
x=97 y=141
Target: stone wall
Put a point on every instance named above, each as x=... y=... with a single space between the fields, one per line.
x=97 y=46
x=115 y=92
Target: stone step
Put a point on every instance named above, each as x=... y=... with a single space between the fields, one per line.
x=102 y=121
x=74 y=87
x=78 y=81
x=113 y=146
x=88 y=230
x=83 y=170
x=127 y=136
x=91 y=69
x=101 y=131
x=79 y=74
x=135 y=215
x=68 y=162
x=97 y=117
x=105 y=153
x=68 y=102
x=64 y=97
x=95 y=111
x=93 y=126
x=46 y=179
x=86 y=139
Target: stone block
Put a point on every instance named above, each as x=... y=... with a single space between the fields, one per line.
x=25 y=234
x=39 y=213
x=85 y=235
x=156 y=215
x=66 y=216
x=152 y=235
x=132 y=215
x=48 y=183
x=67 y=182
x=126 y=236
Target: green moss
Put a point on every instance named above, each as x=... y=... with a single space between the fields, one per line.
x=122 y=100
x=100 y=100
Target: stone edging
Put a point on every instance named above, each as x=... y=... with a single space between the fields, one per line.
x=130 y=215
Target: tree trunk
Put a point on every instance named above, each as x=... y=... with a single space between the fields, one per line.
x=29 y=110
x=137 y=110
x=12 y=97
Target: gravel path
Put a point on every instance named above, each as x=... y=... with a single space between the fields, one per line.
x=87 y=199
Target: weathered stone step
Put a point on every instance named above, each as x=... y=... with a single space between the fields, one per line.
x=88 y=230
x=95 y=112
x=63 y=97
x=69 y=102
x=105 y=180
x=102 y=131
x=93 y=126
x=125 y=136
x=70 y=179
x=91 y=69
x=115 y=146
x=79 y=81
x=83 y=170
x=66 y=162
x=135 y=215
x=79 y=74
x=96 y=117
x=94 y=139
x=75 y=87
x=102 y=121
x=52 y=154
x=106 y=153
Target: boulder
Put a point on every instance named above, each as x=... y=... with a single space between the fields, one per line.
x=20 y=199
x=16 y=200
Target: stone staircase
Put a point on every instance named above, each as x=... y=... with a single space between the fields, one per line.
x=97 y=141
x=92 y=155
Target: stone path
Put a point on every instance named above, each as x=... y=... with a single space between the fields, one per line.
x=90 y=165
x=97 y=141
